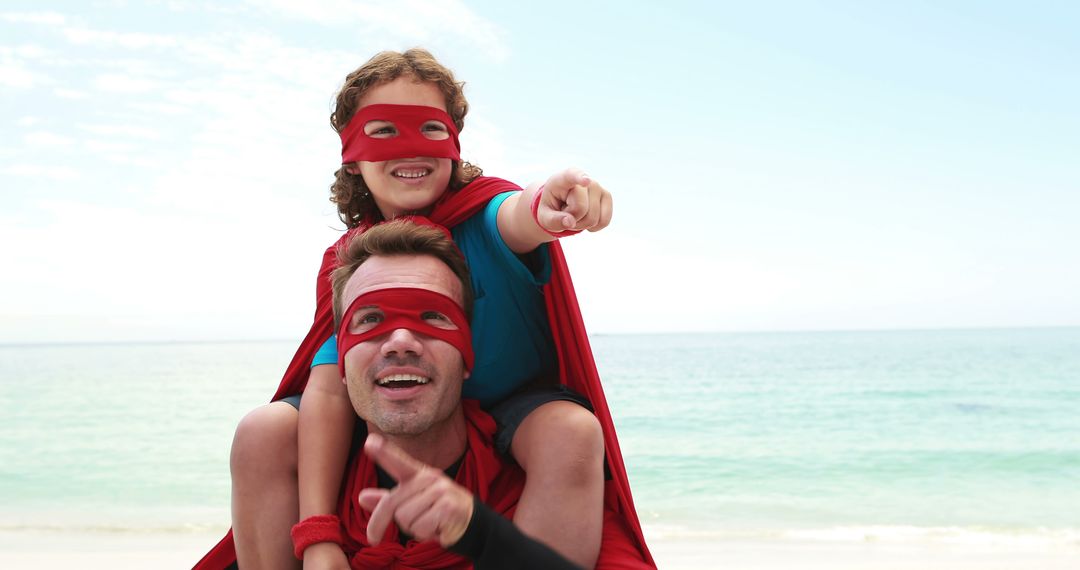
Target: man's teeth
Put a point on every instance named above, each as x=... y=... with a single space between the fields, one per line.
x=402 y=378
x=411 y=173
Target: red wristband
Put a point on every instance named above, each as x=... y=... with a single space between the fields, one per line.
x=316 y=529
x=536 y=217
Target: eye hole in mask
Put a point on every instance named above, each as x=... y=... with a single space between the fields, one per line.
x=432 y=130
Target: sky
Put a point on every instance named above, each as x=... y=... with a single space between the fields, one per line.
x=775 y=166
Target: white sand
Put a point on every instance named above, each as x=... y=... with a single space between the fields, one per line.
x=825 y=555
x=153 y=550
x=121 y=550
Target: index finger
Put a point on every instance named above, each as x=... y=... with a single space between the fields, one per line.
x=397 y=464
x=568 y=178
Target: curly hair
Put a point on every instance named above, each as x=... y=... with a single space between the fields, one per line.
x=350 y=193
x=399 y=237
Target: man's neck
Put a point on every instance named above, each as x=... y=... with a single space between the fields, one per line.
x=440 y=446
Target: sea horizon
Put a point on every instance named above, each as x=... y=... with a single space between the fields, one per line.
x=946 y=438
x=957 y=328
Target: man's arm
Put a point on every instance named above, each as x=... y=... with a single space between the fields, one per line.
x=493 y=541
x=428 y=505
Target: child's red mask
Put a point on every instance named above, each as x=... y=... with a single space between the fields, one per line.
x=410 y=140
x=404 y=308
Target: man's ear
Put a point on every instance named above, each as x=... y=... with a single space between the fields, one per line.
x=466 y=375
x=353 y=168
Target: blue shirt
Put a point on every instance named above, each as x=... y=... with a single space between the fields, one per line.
x=510 y=332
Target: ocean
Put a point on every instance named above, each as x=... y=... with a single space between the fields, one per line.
x=903 y=435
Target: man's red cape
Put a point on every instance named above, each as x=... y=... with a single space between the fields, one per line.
x=577 y=368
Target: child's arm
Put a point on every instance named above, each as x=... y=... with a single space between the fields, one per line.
x=327 y=420
x=570 y=201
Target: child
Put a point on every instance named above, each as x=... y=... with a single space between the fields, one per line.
x=398 y=116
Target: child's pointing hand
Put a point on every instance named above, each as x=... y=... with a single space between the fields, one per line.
x=572 y=201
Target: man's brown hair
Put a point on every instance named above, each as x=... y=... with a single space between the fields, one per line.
x=350 y=193
x=399 y=237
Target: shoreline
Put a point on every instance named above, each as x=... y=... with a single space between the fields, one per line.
x=103 y=549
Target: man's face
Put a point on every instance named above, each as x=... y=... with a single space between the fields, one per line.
x=403 y=382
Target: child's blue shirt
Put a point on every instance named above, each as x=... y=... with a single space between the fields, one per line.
x=510 y=332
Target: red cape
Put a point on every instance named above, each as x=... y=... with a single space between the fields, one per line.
x=577 y=368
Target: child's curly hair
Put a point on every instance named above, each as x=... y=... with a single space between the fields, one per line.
x=349 y=192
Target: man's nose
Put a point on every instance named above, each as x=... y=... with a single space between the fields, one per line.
x=402 y=341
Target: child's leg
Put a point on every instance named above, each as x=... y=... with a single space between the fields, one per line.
x=264 y=488
x=561 y=448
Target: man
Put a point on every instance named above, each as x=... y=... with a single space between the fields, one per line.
x=401 y=297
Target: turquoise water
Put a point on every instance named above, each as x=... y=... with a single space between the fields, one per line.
x=722 y=433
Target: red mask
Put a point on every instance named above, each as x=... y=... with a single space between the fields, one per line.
x=409 y=142
x=403 y=308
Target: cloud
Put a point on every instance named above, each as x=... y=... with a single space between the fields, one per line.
x=185 y=272
x=71 y=94
x=410 y=21
x=226 y=156
x=47 y=139
x=117 y=83
x=130 y=131
x=619 y=280
x=107 y=147
x=126 y=40
x=159 y=108
x=14 y=74
x=41 y=18
x=38 y=171
x=20 y=68
x=31 y=51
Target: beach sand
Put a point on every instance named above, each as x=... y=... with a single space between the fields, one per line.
x=43 y=549
x=823 y=555
x=120 y=550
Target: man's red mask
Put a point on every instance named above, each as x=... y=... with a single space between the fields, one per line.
x=405 y=308
x=410 y=140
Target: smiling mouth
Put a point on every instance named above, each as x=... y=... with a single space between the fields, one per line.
x=399 y=381
x=411 y=173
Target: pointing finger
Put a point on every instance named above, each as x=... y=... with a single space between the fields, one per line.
x=398 y=464
x=606 y=208
x=568 y=179
x=591 y=216
x=369 y=498
x=380 y=518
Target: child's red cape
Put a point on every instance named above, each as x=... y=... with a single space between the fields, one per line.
x=577 y=369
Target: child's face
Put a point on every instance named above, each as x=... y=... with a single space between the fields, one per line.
x=409 y=185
